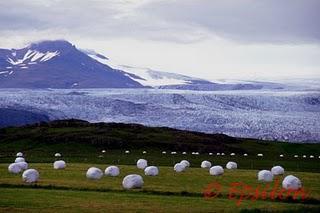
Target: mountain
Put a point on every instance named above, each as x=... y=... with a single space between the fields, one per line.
x=166 y=80
x=16 y=117
x=57 y=64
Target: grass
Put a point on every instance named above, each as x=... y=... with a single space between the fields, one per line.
x=168 y=192
x=81 y=144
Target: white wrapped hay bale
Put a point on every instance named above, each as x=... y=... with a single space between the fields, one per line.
x=151 y=171
x=59 y=164
x=232 y=154
x=260 y=155
x=173 y=153
x=103 y=151
x=265 y=176
x=30 y=176
x=231 y=165
x=186 y=163
x=222 y=153
x=23 y=165
x=218 y=153
x=184 y=153
x=142 y=163
x=296 y=156
x=19 y=159
x=14 y=168
x=216 y=170
x=179 y=167
x=277 y=170
x=304 y=156
x=144 y=152
x=112 y=171
x=245 y=154
x=127 y=152
x=19 y=154
x=94 y=173
x=205 y=164
x=164 y=152
x=291 y=182
x=311 y=156
x=210 y=153
x=132 y=181
x=57 y=155
x=281 y=156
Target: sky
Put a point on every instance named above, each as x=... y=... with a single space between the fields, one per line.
x=211 y=39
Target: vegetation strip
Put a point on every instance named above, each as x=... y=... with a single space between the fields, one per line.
x=151 y=192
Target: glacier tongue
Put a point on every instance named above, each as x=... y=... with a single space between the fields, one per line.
x=274 y=115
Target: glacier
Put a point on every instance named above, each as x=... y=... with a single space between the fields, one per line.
x=292 y=116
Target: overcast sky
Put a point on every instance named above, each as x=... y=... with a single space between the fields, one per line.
x=232 y=39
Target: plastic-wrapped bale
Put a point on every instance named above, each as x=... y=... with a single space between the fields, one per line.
x=112 y=171
x=57 y=155
x=179 y=167
x=206 y=164
x=142 y=163
x=232 y=154
x=127 y=152
x=14 y=168
x=216 y=170
x=23 y=165
x=144 y=152
x=186 y=163
x=59 y=164
x=265 y=176
x=210 y=153
x=173 y=153
x=218 y=153
x=231 y=165
x=132 y=181
x=260 y=155
x=19 y=154
x=19 y=159
x=245 y=154
x=277 y=170
x=164 y=152
x=281 y=156
x=184 y=153
x=30 y=176
x=94 y=173
x=291 y=182
x=296 y=156
x=151 y=171
x=222 y=153
x=311 y=156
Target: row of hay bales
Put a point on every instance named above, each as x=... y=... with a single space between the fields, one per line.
x=136 y=181
x=222 y=154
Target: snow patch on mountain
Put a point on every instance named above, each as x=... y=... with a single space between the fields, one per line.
x=32 y=56
x=145 y=76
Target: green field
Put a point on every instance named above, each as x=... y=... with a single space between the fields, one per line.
x=170 y=191
x=81 y=145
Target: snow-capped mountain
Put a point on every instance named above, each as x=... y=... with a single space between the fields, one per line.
x=147 y=76
x=57 y=64
x=166 y=80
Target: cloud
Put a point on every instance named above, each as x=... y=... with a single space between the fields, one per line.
x=202 y=38
x=266 y=21
x=272 y=21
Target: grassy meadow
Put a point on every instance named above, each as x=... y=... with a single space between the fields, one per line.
x=81 y=145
